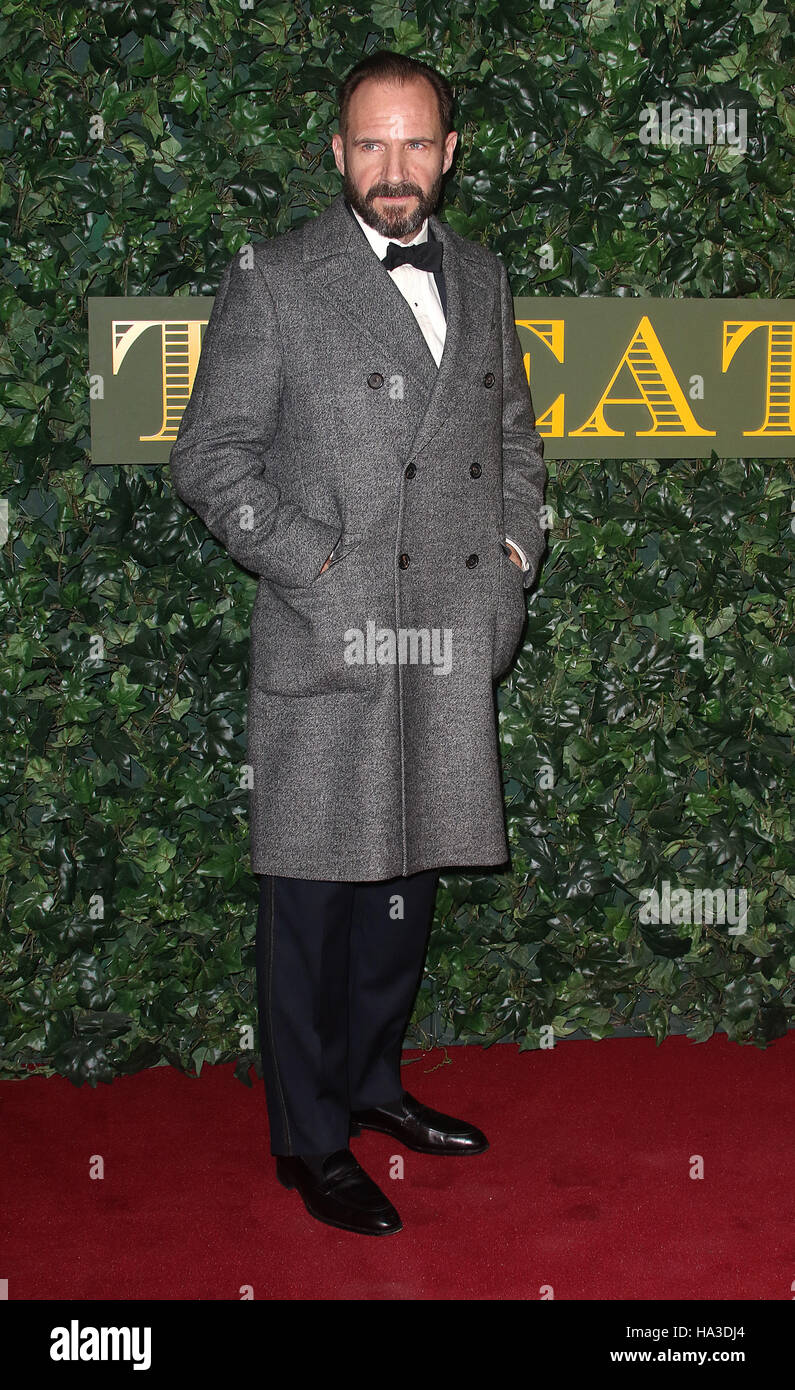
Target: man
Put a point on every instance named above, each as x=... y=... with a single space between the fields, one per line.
x=361 y=436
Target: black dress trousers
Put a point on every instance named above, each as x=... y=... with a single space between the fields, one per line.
x=338 y=969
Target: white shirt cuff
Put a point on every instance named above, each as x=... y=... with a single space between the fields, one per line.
x=520 y=553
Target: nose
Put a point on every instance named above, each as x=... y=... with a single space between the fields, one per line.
x=394 y=168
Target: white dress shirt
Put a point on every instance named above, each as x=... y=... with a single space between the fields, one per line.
x=419 y=290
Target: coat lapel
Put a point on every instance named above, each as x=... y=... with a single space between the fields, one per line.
x=342 y=266
x=471 y=305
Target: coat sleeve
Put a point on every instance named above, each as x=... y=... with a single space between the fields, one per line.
x=523 y=471
x=219 y=460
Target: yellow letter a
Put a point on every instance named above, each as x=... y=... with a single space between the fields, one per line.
x=659 y=389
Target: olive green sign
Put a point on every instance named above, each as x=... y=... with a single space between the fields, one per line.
x=611 y=378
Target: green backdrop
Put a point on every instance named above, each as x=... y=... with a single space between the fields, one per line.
x=128 y=906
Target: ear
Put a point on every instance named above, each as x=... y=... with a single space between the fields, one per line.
x=339 y=152
x=449 y=149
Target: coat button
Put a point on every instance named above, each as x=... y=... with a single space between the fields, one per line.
x=404 y=562
x=375 y=379
x=472 y=560
x=475 y=471
x=410 y=471
x=488 y=379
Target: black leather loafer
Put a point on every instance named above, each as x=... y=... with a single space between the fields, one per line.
x=345 y=1196
x=419 y=1128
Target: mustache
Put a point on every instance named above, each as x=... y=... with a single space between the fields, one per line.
x=401 y=190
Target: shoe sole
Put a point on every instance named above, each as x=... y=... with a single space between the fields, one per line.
x=329 y=1221
x=356 y=1129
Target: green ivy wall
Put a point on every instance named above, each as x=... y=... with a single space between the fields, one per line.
x=128 y=909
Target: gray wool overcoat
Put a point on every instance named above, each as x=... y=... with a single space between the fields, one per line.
x=319 y=422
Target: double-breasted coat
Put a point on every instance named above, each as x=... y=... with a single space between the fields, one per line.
x=319 y=422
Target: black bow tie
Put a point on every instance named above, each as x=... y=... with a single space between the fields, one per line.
x=426 y=255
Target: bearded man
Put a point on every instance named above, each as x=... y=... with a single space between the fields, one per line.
x=361 y=437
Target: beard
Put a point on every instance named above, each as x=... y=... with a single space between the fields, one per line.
x=393 y=222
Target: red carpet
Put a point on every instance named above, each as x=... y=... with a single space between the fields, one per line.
x=586 y=1186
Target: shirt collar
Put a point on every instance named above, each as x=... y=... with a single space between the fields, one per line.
x=379 y=243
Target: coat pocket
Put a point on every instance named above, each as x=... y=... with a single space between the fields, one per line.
x=299 y=636
x=347 y=544
x=510 y=617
